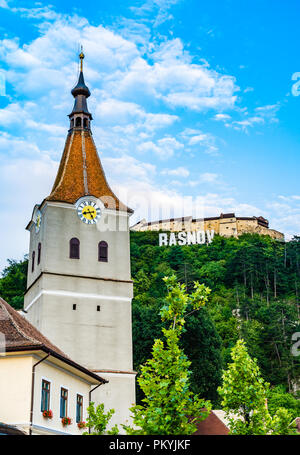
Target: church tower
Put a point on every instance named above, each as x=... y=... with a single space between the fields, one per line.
x=79 y=286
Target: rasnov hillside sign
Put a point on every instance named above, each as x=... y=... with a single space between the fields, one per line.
x=186 y=238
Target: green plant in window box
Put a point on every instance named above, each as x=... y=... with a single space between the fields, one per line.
x=81 y=425
x=48 y=414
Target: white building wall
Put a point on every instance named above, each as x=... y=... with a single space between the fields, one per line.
x=15 y=393
x=99 y=340
x=15 y=389
x=58 y=377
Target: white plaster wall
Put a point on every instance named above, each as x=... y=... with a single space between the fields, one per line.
x=60 y=223
x=95 y=339
x=15 y=389
x=118 y=394
x=58 y=378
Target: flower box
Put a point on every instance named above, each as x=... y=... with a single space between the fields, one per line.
x=66 y=421
x=81 y=425
x=48 y=414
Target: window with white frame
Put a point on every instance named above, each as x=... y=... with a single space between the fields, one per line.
x=63 y=402
x=45 y=401
x=79 y=408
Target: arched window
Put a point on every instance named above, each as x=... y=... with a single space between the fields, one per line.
x=32 y=262
x=102 y=252
x=78 y=121
x=39 y=253
x=85 y=123
x=74 y=248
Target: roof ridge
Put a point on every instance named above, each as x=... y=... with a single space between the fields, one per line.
x=17 y=327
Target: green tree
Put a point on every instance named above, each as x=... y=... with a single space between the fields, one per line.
x=98 y=420
x=244 y=398
x=279 y=398
x=169 y=406
x=13 y=282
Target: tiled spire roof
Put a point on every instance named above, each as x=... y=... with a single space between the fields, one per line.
x=80 y=172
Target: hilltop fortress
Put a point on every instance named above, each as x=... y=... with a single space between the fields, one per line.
x=226 y=225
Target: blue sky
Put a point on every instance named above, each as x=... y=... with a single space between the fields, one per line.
x=192 y=102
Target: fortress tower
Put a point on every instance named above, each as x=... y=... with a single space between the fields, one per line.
x=79 y=286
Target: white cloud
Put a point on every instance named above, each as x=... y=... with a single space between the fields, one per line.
x=128 y=169
x=196 y=138
x=160 y=7
x=21 y=179
x=262 y=115
x=222 y=117
x=178 y=172
x=117 y=112
x=200 y=138
x=164 y=148
x=3 y=4
x=208 y=177
x=133 y=101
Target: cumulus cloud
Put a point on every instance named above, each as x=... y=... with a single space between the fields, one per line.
x=140 y=88
x=164 y=148
x=21 y=179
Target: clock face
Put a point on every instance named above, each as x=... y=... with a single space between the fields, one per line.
x=89 y=212
x=38 y=220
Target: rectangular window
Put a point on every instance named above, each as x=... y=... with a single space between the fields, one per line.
x=63 y=402
x=45 y=402
x=79 y=406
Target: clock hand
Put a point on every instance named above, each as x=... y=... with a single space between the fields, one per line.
x=88 y=212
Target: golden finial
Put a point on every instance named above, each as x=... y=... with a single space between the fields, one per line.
x=81 y=56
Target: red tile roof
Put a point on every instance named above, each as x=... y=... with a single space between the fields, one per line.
x=20 y=335
x=80 y=173
x=212 y=425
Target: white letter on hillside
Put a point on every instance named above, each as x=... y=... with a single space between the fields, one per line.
x=210 y=235
x=191 y=238
x=172 y=239
x=163 y=239
x=182 y=238
x=200 y=237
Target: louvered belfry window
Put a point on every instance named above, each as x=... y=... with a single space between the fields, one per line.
x=102 y=251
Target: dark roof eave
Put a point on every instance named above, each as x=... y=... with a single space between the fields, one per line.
x=59 y=357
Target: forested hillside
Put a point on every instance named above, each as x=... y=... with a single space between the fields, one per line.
x=255 y=284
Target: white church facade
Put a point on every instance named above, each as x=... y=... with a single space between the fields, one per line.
x=79 y=286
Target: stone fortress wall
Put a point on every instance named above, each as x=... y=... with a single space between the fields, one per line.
x=226 y=225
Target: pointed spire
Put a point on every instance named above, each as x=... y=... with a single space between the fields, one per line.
x=80 y=92
x=80 y=171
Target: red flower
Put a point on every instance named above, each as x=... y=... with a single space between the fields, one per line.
x=81 y=425
x=48 y=414
x=66 y=421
